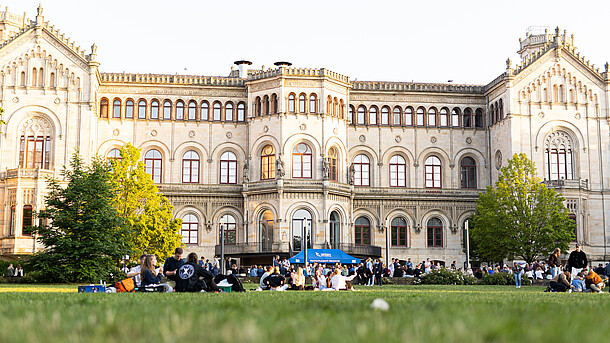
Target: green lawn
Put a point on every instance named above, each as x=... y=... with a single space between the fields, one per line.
x=417 y=314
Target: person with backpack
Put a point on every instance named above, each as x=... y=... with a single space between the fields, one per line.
x=191 y=277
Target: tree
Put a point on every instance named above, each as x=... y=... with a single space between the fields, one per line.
x=520 y=217
x=148 y=214
x=84 y=237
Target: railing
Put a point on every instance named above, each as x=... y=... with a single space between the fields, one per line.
x=182 y=188
x=573 y=184
x=367 y=192
x=361 y=250
x=26 y=173
x=252 y=248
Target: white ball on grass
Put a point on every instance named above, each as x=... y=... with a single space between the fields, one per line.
x=380 y=304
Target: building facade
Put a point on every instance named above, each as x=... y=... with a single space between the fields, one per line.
x=283 y=157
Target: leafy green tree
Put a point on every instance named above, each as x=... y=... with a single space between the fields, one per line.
x=148 y=214
x=84 y=237
x=520 y=217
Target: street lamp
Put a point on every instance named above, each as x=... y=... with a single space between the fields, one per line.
x=222 y=247
x=306 y=223
x=467 y=245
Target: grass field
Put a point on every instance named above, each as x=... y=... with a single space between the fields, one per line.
x=416 y=314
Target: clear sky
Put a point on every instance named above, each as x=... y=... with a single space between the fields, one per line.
x=421 y=41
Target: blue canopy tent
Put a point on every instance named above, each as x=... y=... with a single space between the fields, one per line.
x=324 y=256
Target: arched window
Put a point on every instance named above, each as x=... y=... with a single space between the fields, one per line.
x=258 y=106
x=335 y=107
x=312 y=103
x=420 y=116
x=335 y=230
x=350 y=117
x=41 y=77
x=291 y=103
x=408 y=116
x=190 y=167
x=268 y=163
x=399 y=232
x=373 y=115
x=229 y=225
x=192 y=114
x=468 y=171
x=361 y=115
x=302 y=103
x=116 y=108
x=467 y=117
x=332 y=164
x=455 y=117
x=35 y=152
x=398 y=171
x=204 y=110
x=432 y=116
x=501 y=109
x=362 y=170
x=385 y=115
x=396 y=116
x=52 y=81
x=179 y=110
x=114 y=154
x=189 y=230
x=274 y=103
x=216 y=111
x=362 y=231
x=266 y=105
x=129 y=109
x=141 y=109
x=241 y=112
x=104 y=108
x=153 y=164
x=329 y=105
x=266 y=228
x=167 y=110
x=433 y=172
x=478 y=118
x=444 y=116
x=228 y=168
x=302 y=161
x=435 y=232
x=558 y=157
x=34 y=77
x=228 y=111
x=154 y=109
x=301 y=226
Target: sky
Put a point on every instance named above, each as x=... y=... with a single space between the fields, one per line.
x=377 y=40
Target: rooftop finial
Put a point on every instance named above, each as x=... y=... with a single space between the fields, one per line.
x=39 y=10
x=606 y=65
x=94 y=49
x=508 y=63
x=557 y=30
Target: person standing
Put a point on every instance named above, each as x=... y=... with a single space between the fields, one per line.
x=577 y=260
x=10 y=271
x=555 y=262
x=379 y=267
x=517 y=272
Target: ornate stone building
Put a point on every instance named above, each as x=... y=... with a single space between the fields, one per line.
x=374 y=168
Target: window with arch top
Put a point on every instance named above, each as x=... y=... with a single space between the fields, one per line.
x=373 y=115
x=302 y=103
x=312 y=103
x=104 y=108
x=420 y=116
x=228 y=168
x=129 y=109
x=433 y=172
x=179 y=110
x=385 y=115
x=468 y=171
x=154 y=109
x=558 y=159
x=192 y=111
x=362 y=231
x=302 y=159
x=153 y=164
x=291 y=103
x=408 y=116
x=167 y=110
x=435 y=232
x=397 y=114
x=361 y=115
x=432 y=116
x=268 y=162
x=444 y=117
x=190 y=167
x=189 y=230
x=399 y=232
x=229 y=111
x=362 y=167
x=114 y=154
x=116 y=108
x=332 y=164
x=229 y=225
x=204 y=111
x=141 y=109
x=398 y=171
x=216 y=112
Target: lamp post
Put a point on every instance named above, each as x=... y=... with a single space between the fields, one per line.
x=222 y=248
x=304 y=240
x=387 y=243
x=467 y=245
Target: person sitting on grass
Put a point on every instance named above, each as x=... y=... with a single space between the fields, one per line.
x=151 y=276
x=594 y=282
x=578 y=283
x=263 y=281
x=172 y=264
x=276 y=281
x=189 y=277
x=340 y=282
x=560 y=283
x=298 y=280
x=135 y=271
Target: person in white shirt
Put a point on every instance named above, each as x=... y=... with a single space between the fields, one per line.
x=134 y=272
x=339 y=282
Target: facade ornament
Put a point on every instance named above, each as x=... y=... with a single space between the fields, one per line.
x=325 y=169
x=39 y=10
x=279 y=166
x=351 y=173
x=606 y=66
x=247 y=171
x=508 y=63
x=94 y=49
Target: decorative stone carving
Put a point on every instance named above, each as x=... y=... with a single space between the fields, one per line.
x=432 y=139
x=577 y=116
x=266 y=128
x=398 y=139
x=279 y=166
x=541 y=114
x=57 y=101
x=16 y=99
x=36 y=126
x=559 y=140
x=468 y=140
x=335 y=131
x=116 y=132
x=153 y=133
x=351 y=173
x=303 y=127
x=229 y=135
x=325 y=169
x=191 y=134
x=498 y=159
x=247 y=171
x=362 y=138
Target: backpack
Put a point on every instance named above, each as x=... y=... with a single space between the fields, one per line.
x=127 y=285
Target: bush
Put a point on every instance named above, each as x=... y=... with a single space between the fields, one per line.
x=503 y=279
x=445 y=276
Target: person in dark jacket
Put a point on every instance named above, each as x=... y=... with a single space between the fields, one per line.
x=560 y=283
x=577 y=260
x=150 y=275
x=191 y=277
x=378 y=271
x=555 y=262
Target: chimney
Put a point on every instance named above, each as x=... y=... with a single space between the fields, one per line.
x=243 y=64
x=282 y=64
